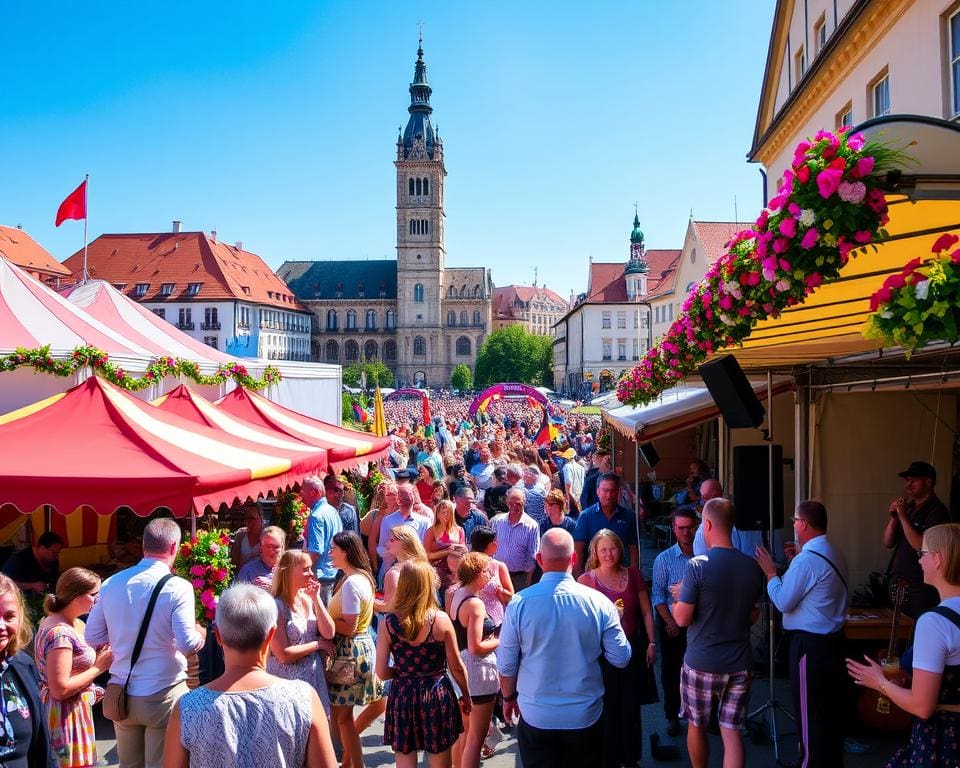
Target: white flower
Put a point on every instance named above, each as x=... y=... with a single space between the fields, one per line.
x=886 y=314
x=726 y=320
x=807 y=217
x=922 y=289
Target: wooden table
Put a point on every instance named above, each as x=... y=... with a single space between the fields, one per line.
x=874 y=624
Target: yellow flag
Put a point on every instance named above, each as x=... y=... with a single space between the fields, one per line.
x=379 y=420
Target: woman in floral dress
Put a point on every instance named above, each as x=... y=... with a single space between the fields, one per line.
x=68 y=666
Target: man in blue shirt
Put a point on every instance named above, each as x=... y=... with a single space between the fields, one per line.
x=812 y=595
x=322 y=524
x=560 y=714
x=607 y=513
x=349 y=519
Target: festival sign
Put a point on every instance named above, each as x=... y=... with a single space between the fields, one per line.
x=500 y=391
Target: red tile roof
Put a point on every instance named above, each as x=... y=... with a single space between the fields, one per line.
x=607 y=284
x=505 y=297
x=183 y=258
x=25 y=252
x=715 y=234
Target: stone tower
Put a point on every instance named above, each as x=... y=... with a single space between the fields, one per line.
x=420 y=249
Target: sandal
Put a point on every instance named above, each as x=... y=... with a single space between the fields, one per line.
x=486 y=752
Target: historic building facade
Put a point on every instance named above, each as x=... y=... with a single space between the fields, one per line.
x=535 y=307
x=415 y=314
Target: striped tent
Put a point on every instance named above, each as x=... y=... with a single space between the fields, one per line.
x=345 y=447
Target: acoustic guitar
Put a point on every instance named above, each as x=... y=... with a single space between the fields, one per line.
x=874 y=709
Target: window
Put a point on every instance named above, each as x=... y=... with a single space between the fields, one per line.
x=605 y=320
x=141 y=289
x=333 y=351
x=463 y=346
x=391 y=319
x=410 y=187
x=452 y=292
x=656 y=314
x=621 y=349
x=880 y=96
x=636 y=349
x=193 y=289
x=186 y=319
x=955 y=65
x=463 y=317
x=351 y=351
x=636 y=319
x=621 y=319
x=606 y=349
x=371 y=323
x=418 y=293
x=476 y=317
x=160 y=312
x=820 y=34
x=211 y=319
x=451 y=318
x=845 y=115
x=120 y=286
x=370 y=350
x=351 y=320
x=419 y=227
x=331 y=319
x=166 y=289
x=390 y=351
x=671 y=313
x=211 y=341
x=426 y=186
x=477 y=292
x=419 y=347
x=801 y=63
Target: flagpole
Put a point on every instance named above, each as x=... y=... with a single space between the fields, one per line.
x=86 y=186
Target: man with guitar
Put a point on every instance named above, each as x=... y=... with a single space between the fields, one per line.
x=812 y=594
x=910 y=515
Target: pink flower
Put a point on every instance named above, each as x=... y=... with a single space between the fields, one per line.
x=852 y=192
x=788 y=227
x=864 y=167
x=828 y=181
x=800 y=153
x=955 y=256
x=196 y=570
x=803 y=173
x=944 y=243
x=855 y=141
x=810 y=238
x=813 y=280
x=726 y=302
x=743 y=311
x=197 y=583
x=753 y=278
x=880 y=297
x=863 y=236
x=781 y=245
x=776 y=203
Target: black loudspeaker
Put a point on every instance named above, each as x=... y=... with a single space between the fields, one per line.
x=732 y=392
x=751 y=485
x=649 y=454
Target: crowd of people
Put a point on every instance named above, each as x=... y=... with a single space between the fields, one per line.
x=492 y=583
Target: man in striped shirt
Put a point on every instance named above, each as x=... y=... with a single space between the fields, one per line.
x=518 y=539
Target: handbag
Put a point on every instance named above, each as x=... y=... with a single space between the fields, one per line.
x=115 y=697
x=344 y=670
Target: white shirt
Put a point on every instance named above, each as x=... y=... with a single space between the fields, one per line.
x=936 y=642
x=116 y=619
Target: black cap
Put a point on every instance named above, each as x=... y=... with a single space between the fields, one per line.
x=920 y=469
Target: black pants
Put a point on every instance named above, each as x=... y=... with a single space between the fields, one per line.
x=551 y=748
x=671 y=660
x=817 y=670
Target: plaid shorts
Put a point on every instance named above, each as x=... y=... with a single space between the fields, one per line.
x=702 y=693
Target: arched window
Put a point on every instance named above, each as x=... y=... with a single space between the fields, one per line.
x=390 y=351
x=418 y=293
x=371 y=324
x=332 y=321
x=476 y=292
x=391 y=319
x=411 y=187
x=463 y=292
x=451 y=292
x=451 y=318
x=426 y=227
x=426 y=186
x=476 y=317
x=463 y=346
x=419 y=347
x=333 y=351
x=351 y=351
x=463 y=317
x=351 y=319
x=413 y=223
x=370 y=350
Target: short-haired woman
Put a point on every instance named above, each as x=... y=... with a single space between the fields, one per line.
x=304 y=628
x=247 y=717
x=68 y=666
x=422 y=711
x=933 y=697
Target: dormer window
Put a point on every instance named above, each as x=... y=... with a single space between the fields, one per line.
x=361 y=291
x=166 y=289
x=120 y=286
x=193 y=289
x=338 y=293
x=141 y=289
x=245 y=289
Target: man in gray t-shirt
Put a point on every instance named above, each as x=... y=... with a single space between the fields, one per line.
x=718 y=602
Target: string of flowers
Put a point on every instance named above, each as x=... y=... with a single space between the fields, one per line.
x=292 y=515
x=920 y=304
x=828 y=208
x=98 y=361
x=204 y=561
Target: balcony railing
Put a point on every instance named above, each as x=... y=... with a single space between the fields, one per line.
x=186 y=326
x=209 y=326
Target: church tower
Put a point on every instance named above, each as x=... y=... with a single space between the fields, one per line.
x=420 y=249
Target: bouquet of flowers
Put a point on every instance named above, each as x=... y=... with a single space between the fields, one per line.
x=292 y=515
x=920 y=304
x=204 y=561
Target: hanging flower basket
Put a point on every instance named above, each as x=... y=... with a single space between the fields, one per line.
x=292 y=515
x=828 y=208
x=204 y=561
x=921 y=304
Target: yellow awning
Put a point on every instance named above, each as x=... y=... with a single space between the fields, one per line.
x=829 y=323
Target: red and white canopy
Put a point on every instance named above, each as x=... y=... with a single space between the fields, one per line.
x=99 y=446
x=345 y=447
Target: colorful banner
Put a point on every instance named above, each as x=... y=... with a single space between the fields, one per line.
x=499 y=391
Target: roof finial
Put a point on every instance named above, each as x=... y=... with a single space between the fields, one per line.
x=420 y=41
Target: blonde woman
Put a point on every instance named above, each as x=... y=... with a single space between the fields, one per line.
x=422 y=711
x=384 y=502
x=68 y=665
x=403 y=544
x=438 y=540
x=304 y=628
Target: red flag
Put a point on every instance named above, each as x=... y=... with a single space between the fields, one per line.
x=426 y=411
x=75 y=206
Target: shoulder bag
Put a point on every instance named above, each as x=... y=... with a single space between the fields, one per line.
x=115 y=698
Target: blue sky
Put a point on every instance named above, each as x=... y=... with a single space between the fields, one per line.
x=275 y=123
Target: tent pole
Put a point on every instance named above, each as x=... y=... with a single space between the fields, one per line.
x=193 y=523
x=801 y=443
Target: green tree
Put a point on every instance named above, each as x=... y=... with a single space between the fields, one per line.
x=377 y=373
x=460 y=377
x=512 y=354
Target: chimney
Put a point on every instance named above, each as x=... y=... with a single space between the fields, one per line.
x=239 y=245
x=213 y=235
x=176 y=226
